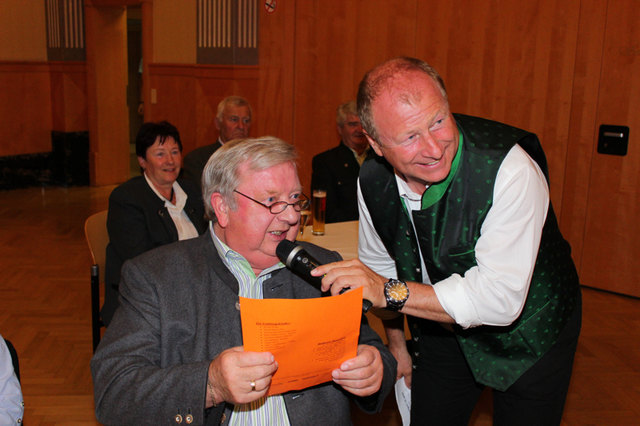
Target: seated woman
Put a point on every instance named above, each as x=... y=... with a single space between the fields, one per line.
x=150 y=210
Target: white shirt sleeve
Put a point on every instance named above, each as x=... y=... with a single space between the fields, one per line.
x=494 y=292
x=11 y=402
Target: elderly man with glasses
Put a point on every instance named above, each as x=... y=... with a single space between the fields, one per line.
x=173 y=352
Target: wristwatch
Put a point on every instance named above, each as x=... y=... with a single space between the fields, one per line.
x=396 y=292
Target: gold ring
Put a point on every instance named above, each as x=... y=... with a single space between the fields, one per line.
x=253 y=386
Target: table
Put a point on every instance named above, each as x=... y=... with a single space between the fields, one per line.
x=340 y=236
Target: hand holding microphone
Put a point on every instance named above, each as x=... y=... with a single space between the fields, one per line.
x=302 y=263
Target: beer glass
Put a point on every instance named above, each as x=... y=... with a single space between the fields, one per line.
x=319 y=210
x=305 y=215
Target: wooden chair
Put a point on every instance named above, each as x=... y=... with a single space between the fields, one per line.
x=95 y=232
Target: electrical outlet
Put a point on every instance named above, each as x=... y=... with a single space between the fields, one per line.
x=613 y=140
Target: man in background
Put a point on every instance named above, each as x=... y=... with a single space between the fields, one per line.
x=233 y=121
x=336 y=170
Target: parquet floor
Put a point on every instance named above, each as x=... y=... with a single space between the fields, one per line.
x=44 y=311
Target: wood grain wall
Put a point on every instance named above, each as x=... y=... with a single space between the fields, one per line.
x=188 y=97
x=25 y=110
x=506 y=60
x=557 y=68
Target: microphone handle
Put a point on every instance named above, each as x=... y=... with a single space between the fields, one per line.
x=307 y=265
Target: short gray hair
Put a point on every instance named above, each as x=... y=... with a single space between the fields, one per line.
x=232 y=100
x=347 y=108
x=221 y=172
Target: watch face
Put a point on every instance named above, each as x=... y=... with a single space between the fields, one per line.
x=398 y=291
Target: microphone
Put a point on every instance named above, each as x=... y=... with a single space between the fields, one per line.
x=302 y=263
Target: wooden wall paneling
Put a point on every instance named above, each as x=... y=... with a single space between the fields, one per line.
x=188 y=97
x=174 y=86
x=582 y=124
x=336 y=43
x=146 y=10
x=509 y=61
x=274 y=111
x=213 y=84
x=69 y=96
x=611 y=247
x=105 y=29
x=25 y=110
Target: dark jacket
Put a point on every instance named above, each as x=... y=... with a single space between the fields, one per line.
x=138 y=221
x=336 y=171
x=193 y=163
x=179 y=311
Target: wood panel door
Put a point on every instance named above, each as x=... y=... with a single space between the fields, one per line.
x=611 y=251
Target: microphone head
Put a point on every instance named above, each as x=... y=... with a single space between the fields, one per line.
x=286 y=251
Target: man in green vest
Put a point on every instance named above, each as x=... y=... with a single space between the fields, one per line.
x=457 y=232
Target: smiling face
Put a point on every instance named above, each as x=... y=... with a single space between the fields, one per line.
x=162 y=162
x=251 y=229
x=416 y=132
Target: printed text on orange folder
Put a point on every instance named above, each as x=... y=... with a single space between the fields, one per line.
x=309 y=338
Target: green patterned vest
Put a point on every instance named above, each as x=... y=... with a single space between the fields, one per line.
x=447 y=230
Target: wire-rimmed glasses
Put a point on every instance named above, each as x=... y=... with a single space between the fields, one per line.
x=279 y=206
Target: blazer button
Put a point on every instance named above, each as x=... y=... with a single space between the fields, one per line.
x=189 y=419
x=223 y=418
x=178 y=418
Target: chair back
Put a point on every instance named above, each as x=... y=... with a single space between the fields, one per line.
x=95 y=232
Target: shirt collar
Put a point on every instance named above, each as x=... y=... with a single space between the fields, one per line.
x=359 y=157
x=181 y=196
x=230 y=256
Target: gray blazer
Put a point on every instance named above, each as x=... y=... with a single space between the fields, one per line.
x=178 y=311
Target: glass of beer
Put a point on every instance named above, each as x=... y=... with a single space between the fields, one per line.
x=319 y=211
x=305 y=215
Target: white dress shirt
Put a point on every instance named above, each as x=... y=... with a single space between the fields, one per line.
x=493 y=292
x=268 y=410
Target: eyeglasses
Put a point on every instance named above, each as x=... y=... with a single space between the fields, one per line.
x=280 y=206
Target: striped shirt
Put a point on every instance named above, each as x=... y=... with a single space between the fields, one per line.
x=266 y=410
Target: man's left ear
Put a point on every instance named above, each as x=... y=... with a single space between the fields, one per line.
x=220 y=208
x=374 y=145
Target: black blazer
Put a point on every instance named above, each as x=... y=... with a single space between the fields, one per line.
x=336 y=170
x=138 y=221
x=193 y=163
